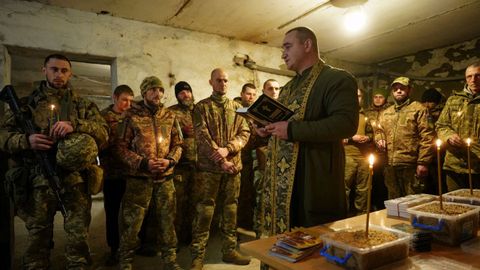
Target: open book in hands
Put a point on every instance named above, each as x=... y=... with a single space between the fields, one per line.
x=266 y=110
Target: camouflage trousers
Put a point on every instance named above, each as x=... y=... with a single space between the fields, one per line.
x=259 y=210
x=38 y=214
x=183 y=181
x=400 y=180
x=140 y=193
x=460 y=180
x=356 y=176
x=208 y=186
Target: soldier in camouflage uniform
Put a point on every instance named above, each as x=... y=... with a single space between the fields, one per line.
x=356 y=165
x=149 y=144
x=185 y=169
x=71 y=115
x=408 y=141
x=246 y=199
x=372 y=114
x=114 y=184
x=457 y=122
x=220 y=135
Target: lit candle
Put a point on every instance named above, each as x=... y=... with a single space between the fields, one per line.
x=439 y=144
x=371 y=160
x=469 y=141
x=160 y=139
x=52 y=112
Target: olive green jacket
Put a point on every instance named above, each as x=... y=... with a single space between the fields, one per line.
x=461 y=115
x=217 y=125
x=408 y=136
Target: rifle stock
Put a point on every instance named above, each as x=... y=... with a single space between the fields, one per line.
x=9 y=96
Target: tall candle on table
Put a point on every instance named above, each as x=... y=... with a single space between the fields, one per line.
x=371 y=160
x=439 y=144
x=469 y=142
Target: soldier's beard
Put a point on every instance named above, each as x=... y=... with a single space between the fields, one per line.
x=187 y=103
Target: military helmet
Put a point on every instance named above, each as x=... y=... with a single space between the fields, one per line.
x=76 y=151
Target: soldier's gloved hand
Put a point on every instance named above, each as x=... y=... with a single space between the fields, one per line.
x=229 y=167
x=40 y=142
x=61 y=129
x=456 y=141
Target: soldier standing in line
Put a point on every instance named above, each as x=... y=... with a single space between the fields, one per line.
x=356 y=165
x=220 y=135
x=185 y=169
x=408 y=141
x=246 y=199
x=74 y=126
x=271 y=88
x=114 y=184
x=379 y=104
x=457 y=122
x=149 y=144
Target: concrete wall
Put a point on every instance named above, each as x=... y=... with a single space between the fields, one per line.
x=137 y=49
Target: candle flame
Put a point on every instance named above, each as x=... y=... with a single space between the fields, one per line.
x=52 y=107
x=469 y=141
x=438 y=142
x=371 y=160
x=160 y=139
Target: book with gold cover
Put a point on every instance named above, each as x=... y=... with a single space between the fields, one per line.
x=266 y=110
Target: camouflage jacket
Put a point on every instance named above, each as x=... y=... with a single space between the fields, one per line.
x=217 y=125
x=112 y=166
x=409 y=138
x=354 y=148
x=372 y=116
x=185 y=119
x=84 y=116
x=144 y=135
x=461 y=115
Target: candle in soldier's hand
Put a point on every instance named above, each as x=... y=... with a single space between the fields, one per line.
x=371 y=160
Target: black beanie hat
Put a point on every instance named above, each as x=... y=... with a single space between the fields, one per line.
x=432 y=95
x=182 y=85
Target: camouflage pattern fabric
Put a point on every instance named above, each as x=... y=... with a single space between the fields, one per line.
x=148 y=135
x=139 y=194
x=111 y=165
x=76 y=151
x=409 y=142
x=209 y=186
x=259 y=185
x=460 y=116
x=38 y=212
x=217 y=125
x=184 y=174
x=400 y=180
x=409 y=138
x=356 y=166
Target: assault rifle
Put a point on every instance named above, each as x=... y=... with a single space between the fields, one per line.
x=9 y=96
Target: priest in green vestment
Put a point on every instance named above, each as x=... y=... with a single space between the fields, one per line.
x=304 y=184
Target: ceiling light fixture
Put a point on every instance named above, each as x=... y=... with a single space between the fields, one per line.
x=355 y=19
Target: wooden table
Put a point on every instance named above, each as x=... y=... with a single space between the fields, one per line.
x=440 y=253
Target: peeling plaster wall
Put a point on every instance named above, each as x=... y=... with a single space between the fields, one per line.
x=441 y=68
x=137 y=49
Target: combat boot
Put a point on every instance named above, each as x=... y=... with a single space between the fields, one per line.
x=197 y=263
x=235 y=258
